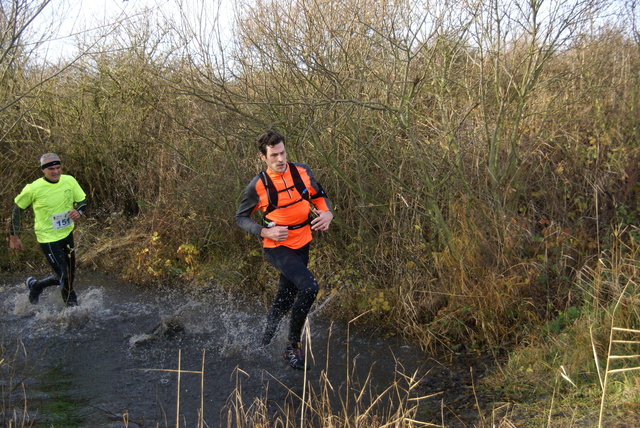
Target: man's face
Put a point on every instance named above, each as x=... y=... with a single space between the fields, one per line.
x=276 y=158
x=53 y=173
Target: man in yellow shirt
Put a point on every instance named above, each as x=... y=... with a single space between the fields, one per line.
x=58 y=201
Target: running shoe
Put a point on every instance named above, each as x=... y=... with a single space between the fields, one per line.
x=295 y=356
x=33 y=295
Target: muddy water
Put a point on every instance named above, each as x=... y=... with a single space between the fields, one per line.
x=112 y=361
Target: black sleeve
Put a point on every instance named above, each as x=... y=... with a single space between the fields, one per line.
x=81 y=206
x=16 y=214
x=248 y=205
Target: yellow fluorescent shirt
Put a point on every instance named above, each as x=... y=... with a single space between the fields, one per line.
x=51 y=202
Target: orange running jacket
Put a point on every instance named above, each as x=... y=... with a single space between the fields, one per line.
x=295 y=209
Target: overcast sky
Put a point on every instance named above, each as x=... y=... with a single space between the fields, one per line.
x=68 y=18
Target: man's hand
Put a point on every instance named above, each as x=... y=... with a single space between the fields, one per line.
x=74 y=215
x=323 y=220
x=277 y=233
x=15 y=243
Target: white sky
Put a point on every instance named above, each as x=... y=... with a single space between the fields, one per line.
x=68 y=18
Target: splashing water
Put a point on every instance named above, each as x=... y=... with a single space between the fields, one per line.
x=118 y=351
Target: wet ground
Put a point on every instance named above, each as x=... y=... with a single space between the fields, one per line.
x=113 y=361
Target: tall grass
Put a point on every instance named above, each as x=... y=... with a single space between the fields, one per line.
x=584 y=360
x=353 y=403
x=14 y=407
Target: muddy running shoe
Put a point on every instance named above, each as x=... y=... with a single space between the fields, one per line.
x=33 y=296
x=295 y=356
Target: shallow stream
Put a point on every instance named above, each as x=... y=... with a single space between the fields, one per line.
x=113 y=361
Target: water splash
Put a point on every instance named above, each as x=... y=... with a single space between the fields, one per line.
x=117 y=344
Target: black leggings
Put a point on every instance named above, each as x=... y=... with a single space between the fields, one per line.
x=61 y=256
x=297 y=290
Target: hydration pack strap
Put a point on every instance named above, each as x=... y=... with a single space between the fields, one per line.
x=295 y=226
x=272 y=192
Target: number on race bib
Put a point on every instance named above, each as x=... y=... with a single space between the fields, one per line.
x=60 y=221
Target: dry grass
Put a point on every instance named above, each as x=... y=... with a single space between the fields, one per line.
x=14 y=408
x=581 y=367
x=355 y=404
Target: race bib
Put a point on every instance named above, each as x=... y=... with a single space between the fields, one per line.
x=60 y=221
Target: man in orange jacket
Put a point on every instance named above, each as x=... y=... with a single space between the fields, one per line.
x=293 y=205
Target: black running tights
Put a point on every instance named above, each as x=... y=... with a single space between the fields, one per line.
x=62 y=258
x=297 y=290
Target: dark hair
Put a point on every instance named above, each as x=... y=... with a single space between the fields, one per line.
x=269 y=139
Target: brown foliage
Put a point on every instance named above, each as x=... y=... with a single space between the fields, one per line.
x=472 y=176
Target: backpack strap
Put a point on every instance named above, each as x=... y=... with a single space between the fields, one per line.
x=298 y=183
x=320 y=193
x=272 y=193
